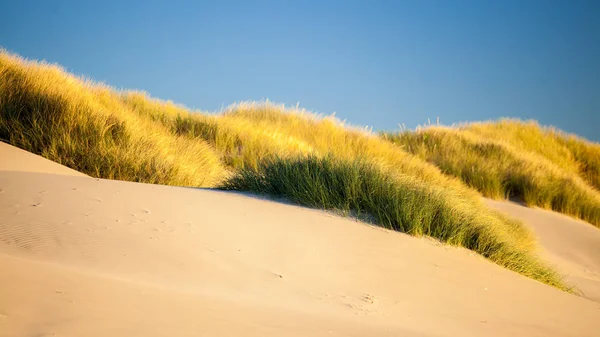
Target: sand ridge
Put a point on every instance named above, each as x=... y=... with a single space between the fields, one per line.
x=14 y=159
x=91 y=257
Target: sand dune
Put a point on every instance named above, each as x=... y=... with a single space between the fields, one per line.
x=90 y=257
x=572 y=245
x=14 y=159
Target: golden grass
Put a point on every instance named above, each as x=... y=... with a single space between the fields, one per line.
x=86 y=127
x=568 y=151
x=129 y=136
x=509 y=158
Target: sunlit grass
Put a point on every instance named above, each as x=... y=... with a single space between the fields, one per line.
x=314 y=160
x=569 y=152
x=85 y=126
x=509 y=158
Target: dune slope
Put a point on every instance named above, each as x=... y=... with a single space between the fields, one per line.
x=85 y=256
x=573 y=246
x=122 y=135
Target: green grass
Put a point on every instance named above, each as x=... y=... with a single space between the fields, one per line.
x=401 y=203
x=262 y=147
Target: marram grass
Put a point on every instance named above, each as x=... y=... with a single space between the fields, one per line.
x=261 y=147
x=543 y=167
x=572 y=153
x=86 y=127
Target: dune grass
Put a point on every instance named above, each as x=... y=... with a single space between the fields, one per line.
x=86 y=127
x=571 y=153
x=514 y=159
x=586 y=154
x=262 y=147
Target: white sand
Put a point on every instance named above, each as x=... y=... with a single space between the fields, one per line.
x=87 y=257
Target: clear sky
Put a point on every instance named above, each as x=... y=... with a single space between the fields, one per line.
x=376 y=63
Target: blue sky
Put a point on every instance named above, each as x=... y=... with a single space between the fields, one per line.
x=376 y=63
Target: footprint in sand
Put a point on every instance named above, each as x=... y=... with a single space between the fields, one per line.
x=368 y=298
x=362 y=304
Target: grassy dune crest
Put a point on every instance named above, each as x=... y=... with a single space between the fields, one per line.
x=260 y=147
x=572 y=153
x=85 y=126
x=509 y=158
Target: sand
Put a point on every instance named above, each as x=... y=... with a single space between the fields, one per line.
x=571 y=245
x=15 y=159
x=89 y=257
